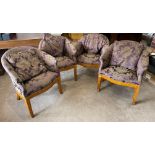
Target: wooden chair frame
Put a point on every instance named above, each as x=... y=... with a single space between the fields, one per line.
x=89 y=65
x=71 y=67
x=27 y=98
x=136 y=87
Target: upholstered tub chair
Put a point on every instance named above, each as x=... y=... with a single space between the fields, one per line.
x=124 y=63
x=62 y=50
x=89 y=49
x=32 y=72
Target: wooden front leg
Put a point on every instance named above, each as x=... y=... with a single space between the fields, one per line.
x=75 y=72
x=136 y=92
x=59 y=85
x=29 y=107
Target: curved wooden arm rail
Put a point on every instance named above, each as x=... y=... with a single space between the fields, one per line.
x=89 y=65
x=136 y=87
x=27 y=98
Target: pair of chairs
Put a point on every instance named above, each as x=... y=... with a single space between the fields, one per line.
x=85 y=52
x=34 y=71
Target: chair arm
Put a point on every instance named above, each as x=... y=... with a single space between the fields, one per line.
x=70 y=49
x=105 y=57
x=143 y=63
x=49 y=60
x=16 y=80
x=79 y=48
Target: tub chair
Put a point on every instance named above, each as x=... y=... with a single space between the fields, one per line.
x=89 y=49
x=32 y=72
x=62 y=50
x=125 y=63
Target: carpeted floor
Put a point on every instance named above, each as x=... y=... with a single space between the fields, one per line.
x=80 y=101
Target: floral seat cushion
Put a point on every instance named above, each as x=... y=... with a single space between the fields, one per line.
x=64 y=61
x=38 y=83
x=126 y=54
x=26 y=63
x=120 y=74
x=89 y=58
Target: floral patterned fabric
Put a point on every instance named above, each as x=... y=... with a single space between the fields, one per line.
x=89 y=58
x=14 y=59
x=26 y=62
x=39 y=82
x=143 y=63
x=120 y=74
x=49 y=60
x=64 y=62
x=105 y=57
x=68 y=51
x=16 y=80
x=126 y=54
x=93 y=43
x=53 y=45
x=133 y=60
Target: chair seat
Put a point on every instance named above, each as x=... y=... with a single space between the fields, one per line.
x=89 y=58
x=39 y=82
x=64 y=61
x=120 y=74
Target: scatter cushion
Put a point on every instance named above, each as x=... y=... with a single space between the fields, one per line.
x=126 y=54
x=26 y=63
x=39 y=82
x=89 y=58
x=64 y=61
x=54 y=45
x=120 y=74
x=93 y=43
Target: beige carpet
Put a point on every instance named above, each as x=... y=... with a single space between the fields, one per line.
x=80 y=101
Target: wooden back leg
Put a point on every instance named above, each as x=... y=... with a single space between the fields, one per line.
x=18 y=97
x=99 y=83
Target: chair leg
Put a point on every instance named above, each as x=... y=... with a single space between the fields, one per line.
x=75 y=72
x=99 y=83
x=18 y=97
x=136 y=92
x=29 y=107
x=59 y=85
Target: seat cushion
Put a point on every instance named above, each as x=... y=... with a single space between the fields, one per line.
x=26 y=63
x=120 y=74
x=39 y=82
x=53 y=45
x=89 y=58
x=126 y=54
x=64 y=61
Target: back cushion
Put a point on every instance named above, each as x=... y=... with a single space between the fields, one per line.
x=26 y=63
x=93 y=43
x=53 y=45
x=126 y=54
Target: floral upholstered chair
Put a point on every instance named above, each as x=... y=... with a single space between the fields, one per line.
x=89 y=49
x=32 y=72
x=125 y=63
x=62 y=50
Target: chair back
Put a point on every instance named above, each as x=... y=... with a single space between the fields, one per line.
x=94 y=42
x=126 y=53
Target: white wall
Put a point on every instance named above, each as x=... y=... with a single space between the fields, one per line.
x=32 y=35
